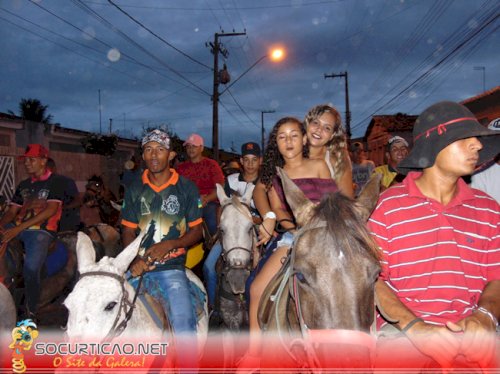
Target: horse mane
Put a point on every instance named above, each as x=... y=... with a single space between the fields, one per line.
x=236 y=202
x=344 y=225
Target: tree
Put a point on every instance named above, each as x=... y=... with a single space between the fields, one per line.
x=100 y=144
x=33 y=110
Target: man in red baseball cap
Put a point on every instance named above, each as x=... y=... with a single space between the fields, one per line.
x=33 y=217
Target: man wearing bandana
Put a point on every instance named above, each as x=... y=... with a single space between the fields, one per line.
x=168 y=207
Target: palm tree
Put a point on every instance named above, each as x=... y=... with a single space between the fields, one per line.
x=33 y=110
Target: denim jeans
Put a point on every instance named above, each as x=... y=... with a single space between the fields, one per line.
x=210 y=216
x=36 y=246
x=210 y=274
x=171 y=288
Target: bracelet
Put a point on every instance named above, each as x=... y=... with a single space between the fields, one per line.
x=410 y=325
x=270 y=214
x=489 y=314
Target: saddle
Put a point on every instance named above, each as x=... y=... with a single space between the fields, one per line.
x=155 y=309
x=274 y=311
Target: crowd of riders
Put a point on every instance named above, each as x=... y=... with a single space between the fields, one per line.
x=438 y=236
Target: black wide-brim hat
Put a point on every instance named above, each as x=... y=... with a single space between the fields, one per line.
x=442 y=124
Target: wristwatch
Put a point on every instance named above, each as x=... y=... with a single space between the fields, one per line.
x=270 y=214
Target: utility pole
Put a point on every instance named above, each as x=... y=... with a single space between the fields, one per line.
x=216 y=49
x=483 y=68
x=110 y=125
x=262 y=126
x=100 y=122
x=347 y=111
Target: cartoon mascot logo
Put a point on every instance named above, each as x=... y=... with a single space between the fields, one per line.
x=22 y=339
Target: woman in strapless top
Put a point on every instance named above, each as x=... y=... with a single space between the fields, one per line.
x=286 y=149
x=326 y=141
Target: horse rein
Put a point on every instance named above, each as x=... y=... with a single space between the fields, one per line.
x=117 y=329
x=246 y=213
x=319 y=336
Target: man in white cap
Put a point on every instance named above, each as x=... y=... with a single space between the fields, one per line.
x=439 y=241
x=487 y=178
x=205 y=173
x=396 y=151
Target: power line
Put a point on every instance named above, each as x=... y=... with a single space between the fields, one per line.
x=286 y=5
x=101 y=42
x=242 y=110
x=432 y=68
x=90 y=11
x=159 y=37
x=454 y=38
x=126 y=57
x=71 y=50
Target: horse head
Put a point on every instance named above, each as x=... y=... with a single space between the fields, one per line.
x=237 y=237
x=335 y=261
x=101 y=296
x=95 y=185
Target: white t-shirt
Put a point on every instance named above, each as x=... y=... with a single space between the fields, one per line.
x=488 y=180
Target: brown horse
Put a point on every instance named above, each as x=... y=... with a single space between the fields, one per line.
x=57 y=281
x=100 y=218
x=325 y=292
x=98 y=197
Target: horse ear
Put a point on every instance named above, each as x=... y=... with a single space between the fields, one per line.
x=85 y=252
x=247 y=197
x=301 y=206
x=123 y=260
x=368 y=197
x=221 y=195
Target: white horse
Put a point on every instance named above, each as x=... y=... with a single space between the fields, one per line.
x=102 y=297
x=7 y=310
x=239 y=253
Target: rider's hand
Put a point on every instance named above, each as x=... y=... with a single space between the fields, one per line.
x=266 y=230
x=9 y=234
x=204 y=200
x=139 y=266
x=437 y=342
x=478 y=339
x=3 y=248
x=159 y=251
x=37 y=204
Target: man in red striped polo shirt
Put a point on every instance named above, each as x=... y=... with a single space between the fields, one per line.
x=440 y=246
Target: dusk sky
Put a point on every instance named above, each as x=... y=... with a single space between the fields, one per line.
x=152 y=64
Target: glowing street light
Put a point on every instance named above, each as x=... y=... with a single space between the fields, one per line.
x=275 y=55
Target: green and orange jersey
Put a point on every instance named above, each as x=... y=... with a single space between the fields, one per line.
x=166 y=212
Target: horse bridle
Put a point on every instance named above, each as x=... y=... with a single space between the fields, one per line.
x=290 y=280
x=249 y=250
x=118 y=328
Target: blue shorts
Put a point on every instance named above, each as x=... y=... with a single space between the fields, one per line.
x=285 y=241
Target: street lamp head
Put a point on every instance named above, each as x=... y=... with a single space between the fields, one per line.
x=277 y=54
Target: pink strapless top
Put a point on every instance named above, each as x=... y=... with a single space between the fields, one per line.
x=313 y=188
